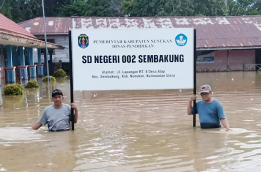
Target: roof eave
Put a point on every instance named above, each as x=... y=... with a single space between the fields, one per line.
x=228 y=48
x=19 y=40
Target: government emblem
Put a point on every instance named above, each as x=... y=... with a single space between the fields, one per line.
x=181 y=40
x=83 y=41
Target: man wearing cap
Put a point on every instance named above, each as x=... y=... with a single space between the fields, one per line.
x=57 y=116
x=210 y=110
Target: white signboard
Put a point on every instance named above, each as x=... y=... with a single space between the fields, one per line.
x=140 y=59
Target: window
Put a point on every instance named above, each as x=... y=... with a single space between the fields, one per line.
x=208 y=58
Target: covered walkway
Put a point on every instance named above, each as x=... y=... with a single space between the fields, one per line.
x=16 y=52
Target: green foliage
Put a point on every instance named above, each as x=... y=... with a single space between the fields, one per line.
x=60 y=73
x=6 y=8
x=32 y=84
x=13 y=89
x=51 y=79
x=136 y=8
x=76 y=8
x=101 y=8
x=21 y=10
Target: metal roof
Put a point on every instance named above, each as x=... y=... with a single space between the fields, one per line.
x=232 y=32
x=13 y=34
x=10 y=26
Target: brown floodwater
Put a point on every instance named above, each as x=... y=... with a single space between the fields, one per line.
x=135 y=131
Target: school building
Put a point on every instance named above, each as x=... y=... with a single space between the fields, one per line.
x=21 y=52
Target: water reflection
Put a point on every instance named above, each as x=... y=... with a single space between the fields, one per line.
x=135 y=130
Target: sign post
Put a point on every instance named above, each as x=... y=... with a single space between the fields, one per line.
x=195 y=77
x=71 y=78
x=132 y=59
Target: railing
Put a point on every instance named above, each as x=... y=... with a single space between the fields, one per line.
x=212 y=69
x=252 y=67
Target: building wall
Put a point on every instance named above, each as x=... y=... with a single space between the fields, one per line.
x=239 y=57
x=59 y=54
x=235 y=60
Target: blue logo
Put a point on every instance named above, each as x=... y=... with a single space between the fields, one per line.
x=181 y=40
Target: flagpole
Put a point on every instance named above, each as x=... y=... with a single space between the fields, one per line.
x=46 y=50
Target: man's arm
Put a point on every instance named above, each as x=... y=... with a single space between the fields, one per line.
x=75 y=115
x=190 y=104
x=42 y=121
x=225 y=123
x=75 y=112
x=36 y=126
x=222 y=117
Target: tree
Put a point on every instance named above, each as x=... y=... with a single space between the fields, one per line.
x=6 y=8
x=76 y=8
x=173 y=7
x=210 y=8
x=101 y=8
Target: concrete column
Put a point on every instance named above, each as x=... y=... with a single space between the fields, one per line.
x=32 y=68
x=228 y=67
x=15 y=56
x=9 y=56
x=40 y=72
x=51 y=69
x=22 y=67
x=21 y=52
x=2 y=55
x=30 y=54
x=2 y=63
x=10 y=70
x=39 y=56
x=45 y=62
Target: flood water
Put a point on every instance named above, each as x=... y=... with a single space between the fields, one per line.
x=136 y=131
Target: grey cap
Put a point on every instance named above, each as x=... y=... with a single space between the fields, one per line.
x=205 y=89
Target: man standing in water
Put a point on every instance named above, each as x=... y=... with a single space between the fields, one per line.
x=210 y=110
x=57 y=116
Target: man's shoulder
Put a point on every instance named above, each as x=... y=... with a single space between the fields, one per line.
x=216 y=101
x=200 y=102
x=50 y=107
x=66 y=106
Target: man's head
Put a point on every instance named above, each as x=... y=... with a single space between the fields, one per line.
x=57 y=97
x=205 y=92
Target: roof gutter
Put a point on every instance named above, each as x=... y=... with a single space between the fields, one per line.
x=20 y=40
x=229 y=48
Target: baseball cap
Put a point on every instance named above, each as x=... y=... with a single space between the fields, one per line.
x=205 y=89
x=57 y=92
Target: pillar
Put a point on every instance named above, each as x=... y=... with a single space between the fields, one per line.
x=31 y=66
x=15 y=59
x=10 y=69
x=2 y=63
x=9 y=56
x=40 y=72
x=15 y=56
x=45 y=62
x=51 y=67
x=22 y=67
